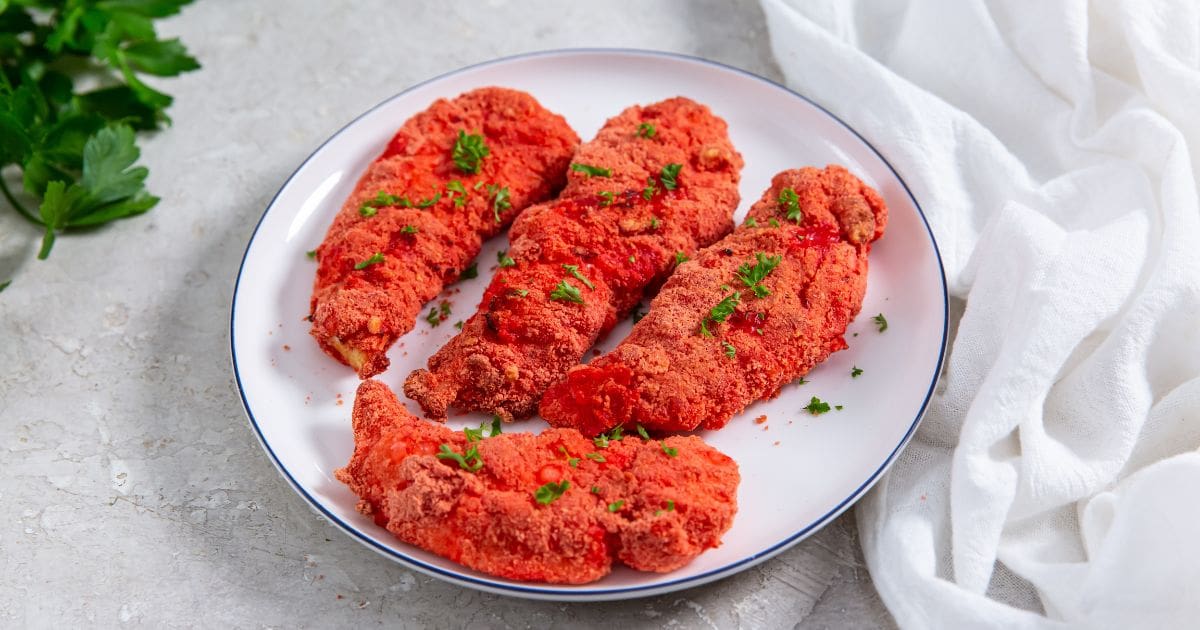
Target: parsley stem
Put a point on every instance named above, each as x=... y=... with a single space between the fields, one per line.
x=22 y=210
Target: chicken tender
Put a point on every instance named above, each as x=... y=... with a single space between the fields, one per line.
x=752 y=312
x=453 y=176
x=556 y=507
x=656 y=183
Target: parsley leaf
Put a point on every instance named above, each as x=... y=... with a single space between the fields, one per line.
x=606 y=198
x=616 y=435
x=616 y=505
x=312 y=254
x=425 y=203
x=730 y=350
x=671 y=451
x=566 y=292
x=720 y=312
x=375 y=259
x=574 y=271
x=438 y=314
x=752 y=276
x=504 y=259
x=469 y=151
x=855 y=372
x=470 y=273
x=500 y=200
x=469 y=461
x=646 y=130
x=595 y=457
x=790 y=202
x=409 y=229
x=458 y=193
x=669 y=176
x=680 y=258
x=591 y=171
x=550 y=492
x=642 y=432
x=773 y=222
x=650 y=189
x=751 y=222
x=880 y=321
x=816 y=406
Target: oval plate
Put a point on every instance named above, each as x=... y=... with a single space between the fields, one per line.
x=799 y=471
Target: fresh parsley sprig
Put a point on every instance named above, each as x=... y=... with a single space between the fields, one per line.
x=469 y=151
x=76 y=149
x=753 y=275
x=720 y=312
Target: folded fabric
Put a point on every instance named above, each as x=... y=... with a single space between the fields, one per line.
x=1054 y=481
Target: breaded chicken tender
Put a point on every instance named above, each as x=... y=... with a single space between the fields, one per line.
x=657 y=183
x=555 y=507
x=453 y=176
x=752 y=312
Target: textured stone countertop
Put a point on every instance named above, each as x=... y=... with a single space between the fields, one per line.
x=132 y=489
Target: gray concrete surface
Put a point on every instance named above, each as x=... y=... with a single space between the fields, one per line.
x=133 y=491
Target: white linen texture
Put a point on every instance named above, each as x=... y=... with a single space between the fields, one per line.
x=1055 y=480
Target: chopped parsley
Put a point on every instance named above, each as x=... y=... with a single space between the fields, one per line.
x=495 y=425
x=650 y=189
x=597 y=457
x=616 y=435
x=595 y=489
x=573 y=462
x=458 y=193
x=368 y=211
x=671 y=451
x=469 y=151
x=730 y=350
x=375 y=259
x=801 y=381
x=521 y=292
x=458 y=324
x=548 y=493
x=790 y=202
x=751 y=222
x=670 y=505
x=409 y=229
x=371 y=206
x=816 y=406
x=654 y=223
x=425 y=203
x=681 y=258
x=855 y=372
x=591 y=171
x=752 y=276
x=838 y=407
x=474 y=435
x=720 y=312
x=574 y=271
x=642 y=432
x=312 y=254
x=646 y=130
x=504 y=259
x=438 y=314
x=566 y=292
x=469 y=461
x=606 y=198
x=470 y=273
x=669 y=176
x=773 y=222
x=880 y=321
x=500 y=200
x=616 y=505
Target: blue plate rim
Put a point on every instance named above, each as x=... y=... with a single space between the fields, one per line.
x=631 y=591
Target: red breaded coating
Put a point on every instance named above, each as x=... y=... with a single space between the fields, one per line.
x=630 y=501
x=358 y=314
x=622 y=238
x=669 y=375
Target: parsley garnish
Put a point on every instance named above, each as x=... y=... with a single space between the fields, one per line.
x=669 y=176
x=548 y=493
x=595 y=489
x=880 y=321
x=312 y=254
x=591 y=171
x=425 y=203
x=409 y=229
x=566 y=292
x=642 y=432
x=499 y=200
x=470 y=273
x=574 y=271
x=646 y=130
x=654 y=223
x=75 y=150
x=730 y=350
x=370 y=207
x=789 y=201
x=671 y=451
x=855 y=372
x=650 y=189
x=801 y=381
x=720 y=312
x=616 y=435
x=367 y=211
x=469 y=461
x=616 y=505
x=816 y=406
x=375 y=259
x=438 y=314
x=838 y=407
x=751 y=222
x=458 y=324
x=595 y=457
x=503 y=258
x=773 y=222
x=495 y=425
x=752 y=276
x=469 y=151
x=670 y=505
x=458 y=193
x=521 y=292
x=606 y=198
x=680 y=258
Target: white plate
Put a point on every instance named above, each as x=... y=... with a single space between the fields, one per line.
x=798 y=471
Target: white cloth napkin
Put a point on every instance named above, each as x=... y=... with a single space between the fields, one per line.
x=1055 y=148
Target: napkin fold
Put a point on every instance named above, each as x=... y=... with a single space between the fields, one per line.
x=1055 y=480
